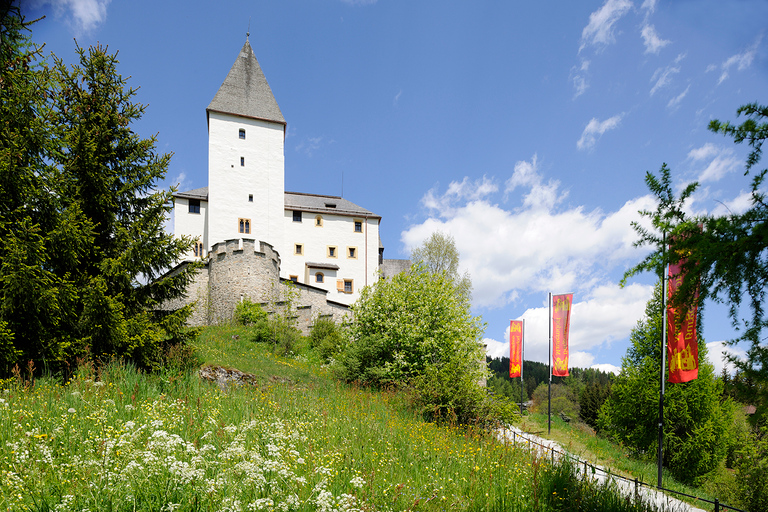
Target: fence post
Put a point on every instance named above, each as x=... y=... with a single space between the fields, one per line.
x=717 y=505
x=553 y=455
x=585 y=470
x=636 y=495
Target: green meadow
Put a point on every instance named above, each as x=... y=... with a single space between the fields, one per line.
x=116 y=439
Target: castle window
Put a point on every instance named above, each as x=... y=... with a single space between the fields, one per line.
x=296 y=215
x=198 y=249
x=295 y=279
x=244 y=225
x=299 y=249
x=250 y=198
x=358 y=226
x=319 y=221
x=331 y=251
x=319 y=277
x=352 y=252
x=345 y=285
x=242 y=134
x=330 y=205
x=194 y=206
x=242 y=161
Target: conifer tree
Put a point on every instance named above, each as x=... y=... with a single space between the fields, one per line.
x=83 y=252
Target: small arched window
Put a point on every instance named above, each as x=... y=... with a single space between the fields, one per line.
x=319 y=221
x=319 y=277
x=242 y=133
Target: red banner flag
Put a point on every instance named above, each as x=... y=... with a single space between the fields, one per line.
x=561 y=321
x=682 y=346
x=515 y=347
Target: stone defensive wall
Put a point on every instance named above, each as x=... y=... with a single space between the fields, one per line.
x=235 y=270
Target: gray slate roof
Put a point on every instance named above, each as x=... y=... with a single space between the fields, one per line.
x=325 y=204
x=198 y=193
x=305 y=202
x=245 y=92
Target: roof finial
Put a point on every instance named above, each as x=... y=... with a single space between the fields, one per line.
x=248 y=34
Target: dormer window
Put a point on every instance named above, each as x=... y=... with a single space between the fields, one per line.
x=330 y=205
x=242 y=134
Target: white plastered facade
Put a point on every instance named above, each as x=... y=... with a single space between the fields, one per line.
x=246 y=182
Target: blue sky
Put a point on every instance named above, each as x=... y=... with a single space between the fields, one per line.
x=523 y=129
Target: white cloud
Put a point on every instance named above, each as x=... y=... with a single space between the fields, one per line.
x=396 y=99
x=82 y=15
x=653 y=43
x=721 y=161
x=531 y=248
x=663 y=76
x=674 y=102
x=309 y=145
x=579 y=78
x=605 y=367
x=649 y=6
x=607 y=315
x=600 y=29
x=741 y=60
x=717 y=356
x=595 y=129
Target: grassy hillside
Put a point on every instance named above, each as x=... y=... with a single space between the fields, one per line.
x=116 y=439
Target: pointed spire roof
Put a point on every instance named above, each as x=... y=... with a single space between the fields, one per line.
x=245 y=92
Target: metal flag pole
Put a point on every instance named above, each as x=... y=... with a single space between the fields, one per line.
x=549 y=388
x=663 y=354
x=522 y=358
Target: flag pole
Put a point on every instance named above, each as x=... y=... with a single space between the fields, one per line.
x=663 y=354
x=549 y=358
x=522 y=358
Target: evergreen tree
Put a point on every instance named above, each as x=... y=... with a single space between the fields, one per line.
x=695 y=419
x=82 y=246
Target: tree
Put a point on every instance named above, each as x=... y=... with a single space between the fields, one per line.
x=414 y=330
x=83 y=252
x=439 y=255
x=695 y=419
x=725 y=257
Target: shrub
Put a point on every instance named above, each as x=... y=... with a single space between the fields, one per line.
x=325 y=337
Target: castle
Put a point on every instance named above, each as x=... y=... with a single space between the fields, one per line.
x=328 y=246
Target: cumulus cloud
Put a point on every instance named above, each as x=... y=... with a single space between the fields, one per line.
x=600 y=29
x=606 y=315
x=718 y=356
x=531 y=247
x=595 y=129
x=82 y=15
x=653 y=43
x=741 y=60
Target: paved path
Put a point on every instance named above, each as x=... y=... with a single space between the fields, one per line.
x=627 y=487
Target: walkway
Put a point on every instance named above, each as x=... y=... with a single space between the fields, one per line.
x=545 y=447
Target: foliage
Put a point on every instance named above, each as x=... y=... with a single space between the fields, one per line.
x=415 y=329
x=752 y=472
x=439 y=255
x=249 y=313
x=83 y=251
x=696 y=421
x=564 y=400
x=326 y=338
x=592 y=398
x=726 y=256
x=277 y=328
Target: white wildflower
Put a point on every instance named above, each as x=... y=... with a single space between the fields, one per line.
x=358 y=482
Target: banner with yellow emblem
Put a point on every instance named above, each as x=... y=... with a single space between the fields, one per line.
x=515 y=348
x=561 y=321
x=682 y=345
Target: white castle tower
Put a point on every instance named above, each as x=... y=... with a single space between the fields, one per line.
x=246 y=165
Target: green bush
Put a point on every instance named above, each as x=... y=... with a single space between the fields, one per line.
x=325 y=337
x=416 y=330
x=249 y=313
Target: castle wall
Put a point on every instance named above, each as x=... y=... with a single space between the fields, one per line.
x=235 y=270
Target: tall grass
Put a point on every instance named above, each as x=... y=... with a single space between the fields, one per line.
x=120 y=440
